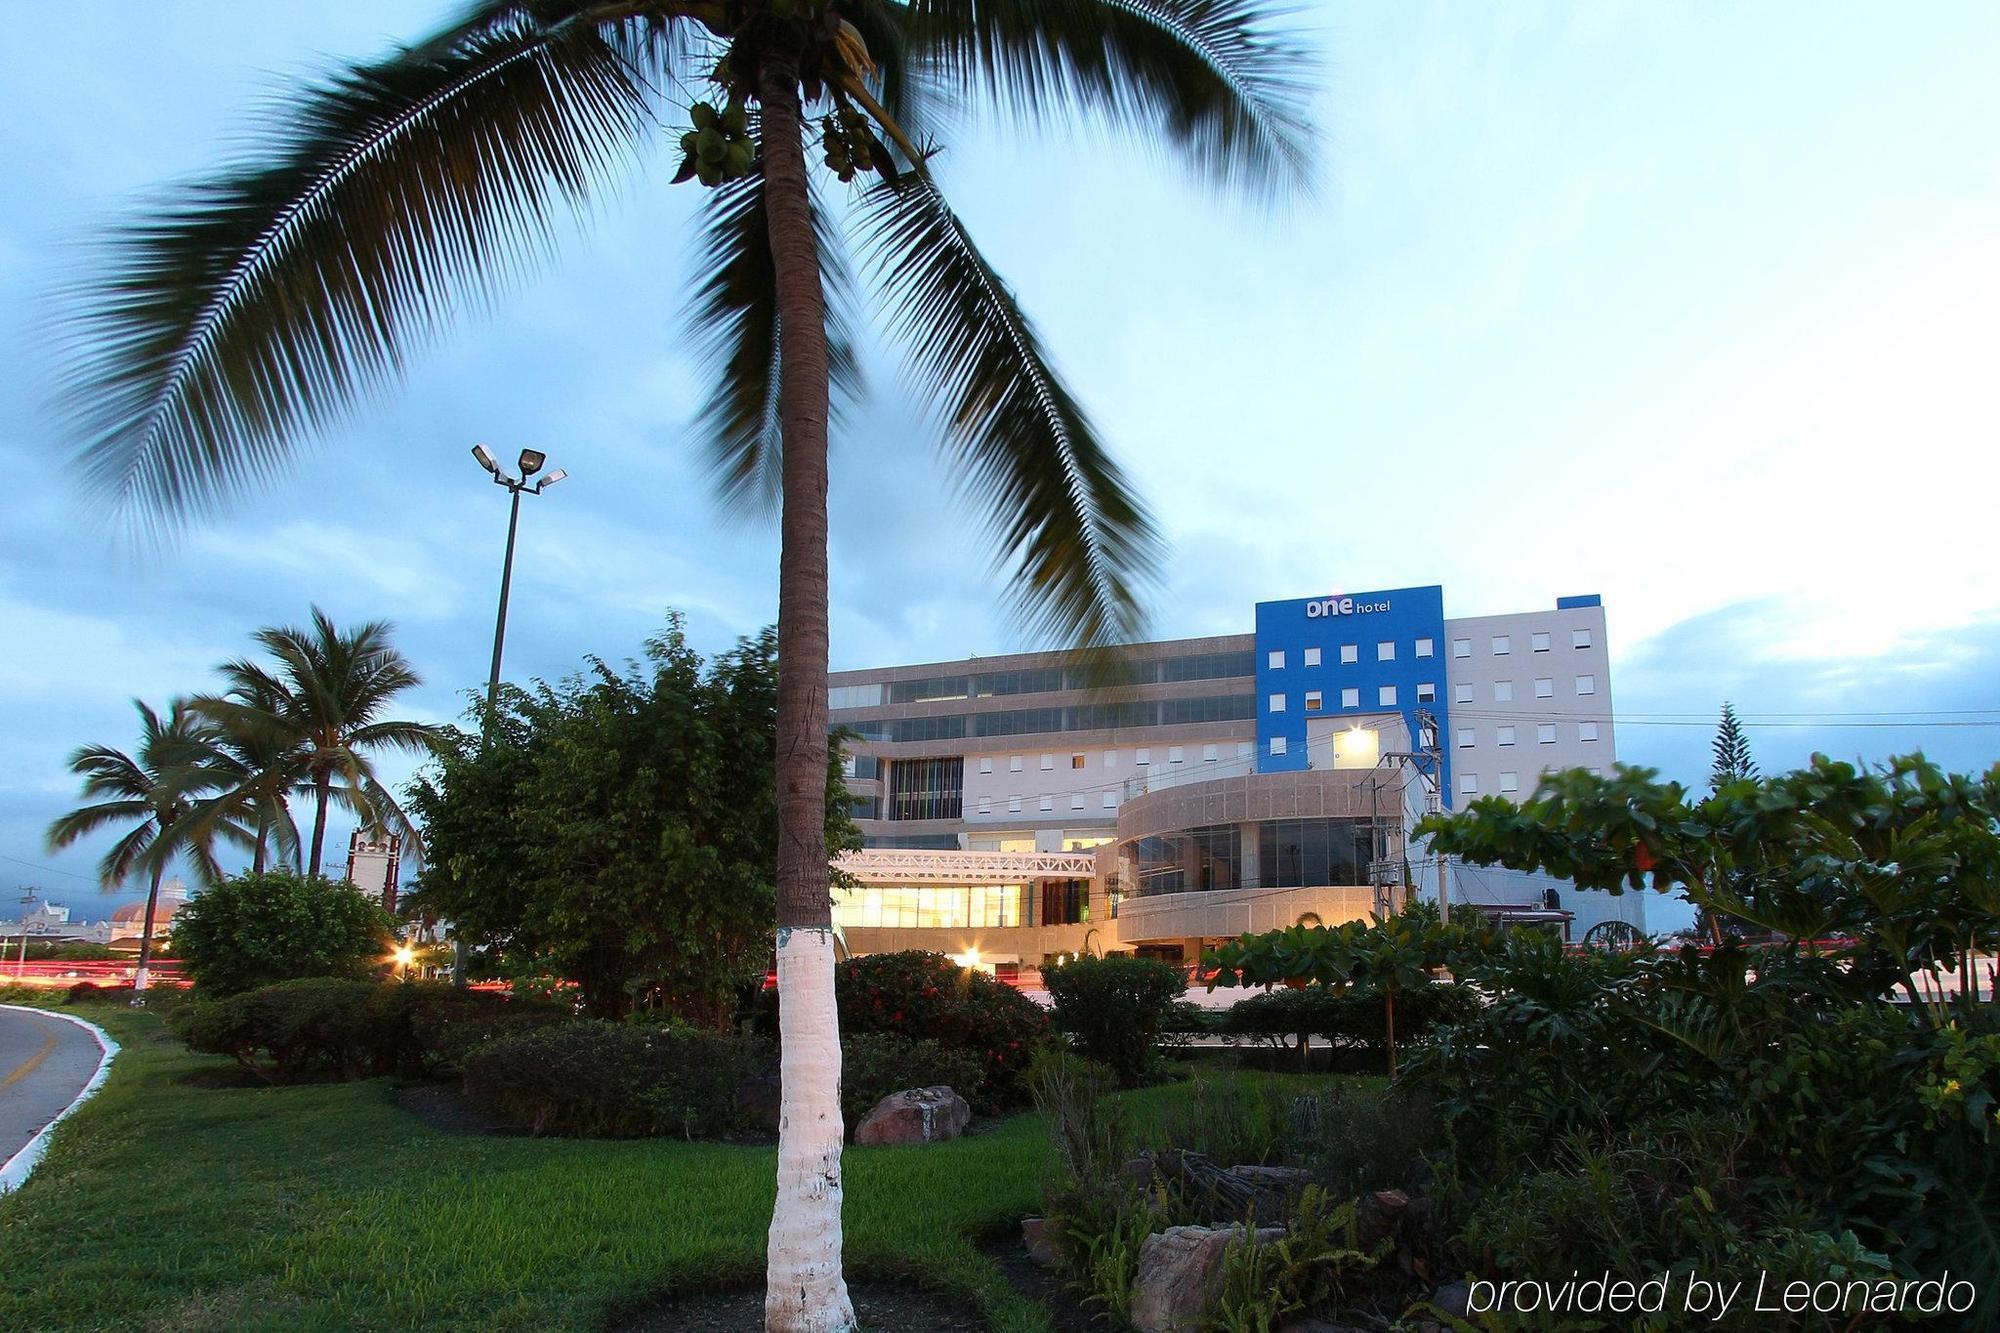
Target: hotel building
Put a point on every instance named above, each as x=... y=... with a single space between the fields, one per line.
x=1019 y=808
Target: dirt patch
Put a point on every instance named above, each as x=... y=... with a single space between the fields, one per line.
x=443 y=1106
x=881 y=1307
x=1044 y=1286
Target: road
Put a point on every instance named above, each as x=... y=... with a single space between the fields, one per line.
x=44 y=1063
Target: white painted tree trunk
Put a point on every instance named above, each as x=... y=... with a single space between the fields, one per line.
x=804 y=1292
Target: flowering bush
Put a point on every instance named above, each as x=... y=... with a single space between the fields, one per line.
x=926 y=996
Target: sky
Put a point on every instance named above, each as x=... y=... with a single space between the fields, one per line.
x=1690 y=306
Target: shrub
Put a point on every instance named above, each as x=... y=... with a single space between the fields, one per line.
x=291 y=1031
x=254 y=930
x=926 y=996
x=425 y=1029
x=1352 y=1018
x=614 y=1080
x=875 y=1064
x=89 y=992
x=1114 y=1008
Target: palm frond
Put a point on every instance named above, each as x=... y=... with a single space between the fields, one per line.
x=735 y=318
x=1056 y=500
x=1217 y=76
x=259 y=304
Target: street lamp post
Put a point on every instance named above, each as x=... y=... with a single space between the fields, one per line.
x=531 y=462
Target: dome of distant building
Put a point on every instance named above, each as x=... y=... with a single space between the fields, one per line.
x=130 y=920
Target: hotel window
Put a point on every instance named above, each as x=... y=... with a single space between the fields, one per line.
x=1175 y=754
x=1014 y=764
x=1013 y=805
x=986 y=766
x=848 y=766
x=1048 y=763
x=1350 y=653
x=1545 y=734
x=1426 y=647
x=1427 y=692
x=927 y=788
x=1461 y=693
x=986 y=805
x=1048 y=803
x=1111 y=800
x=1350 y=698
x=1111 y=758
x=1277 y=703
x=1312 y=657
x=1579 y=638
x=1468 y=784
x=1210 y=753
x=1466 y=737
x=1277 y=745
x=1586 y=684
x=1077 y=761
x=1076 y=800
x=1143 y=758
x=1244 y=749
x=1502 y=645
x=1510 y=782
x=1503 y=691
x=1539 y=641
x=1386 y=695
x=1461 y=647
x=1312 y=701
x=1545 y=688
x=1596 y=772
x=1586 y=731
x=1385 y=651
x=1505 y=736
x=1278 y=660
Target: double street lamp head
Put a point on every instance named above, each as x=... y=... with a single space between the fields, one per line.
x=531 y=461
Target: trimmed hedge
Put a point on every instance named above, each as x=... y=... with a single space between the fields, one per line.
x=613 y=1080
x=927 y=997
x=1349 y=1019
x=331 y=1027
x=875 y=1064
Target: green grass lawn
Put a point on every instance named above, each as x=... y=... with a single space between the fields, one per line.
x=167 y=1205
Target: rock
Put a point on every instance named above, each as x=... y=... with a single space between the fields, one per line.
x=1178 y=1271
x=1034 y=1235
x=1454 y=1298
x=916 y=1115
x=1138 y=1172
x=1378 y=1215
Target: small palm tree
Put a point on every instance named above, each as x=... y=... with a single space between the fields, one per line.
x=315 y=717
x=255 y=759
x=152 y=796
x=401 y=191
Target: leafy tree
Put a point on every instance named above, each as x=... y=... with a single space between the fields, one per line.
x=153 y=795
x=1732 y=752
x=620 y=829
x=256 y=929
x=318 y=716
x=1114 y=1008
x=1903 y=860
x=399 y=192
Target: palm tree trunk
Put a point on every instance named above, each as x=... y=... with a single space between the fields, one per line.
x=263 y=836
x=139 y=979
x=322 y=789
x=804 y=1291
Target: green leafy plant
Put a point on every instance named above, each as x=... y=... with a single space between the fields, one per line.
x=614 y=1080
x=252 y=930
x=291 y=1031
x=1265 y=1282
x=1114 y=1008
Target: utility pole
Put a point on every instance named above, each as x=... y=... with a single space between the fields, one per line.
x=27 y=901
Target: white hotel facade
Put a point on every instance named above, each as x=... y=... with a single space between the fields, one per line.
x=1020 y=808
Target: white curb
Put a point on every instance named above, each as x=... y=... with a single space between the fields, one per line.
x=14 y=1172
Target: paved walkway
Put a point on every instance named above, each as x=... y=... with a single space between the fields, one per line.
x=44 y=1063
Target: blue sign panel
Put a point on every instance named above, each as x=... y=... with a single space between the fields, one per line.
x=1348 y=654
